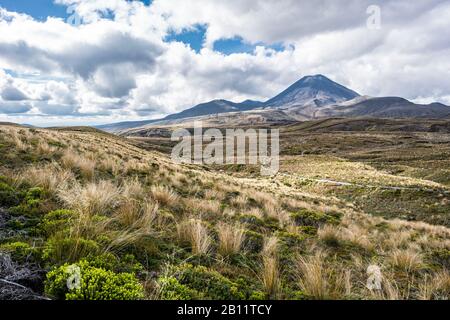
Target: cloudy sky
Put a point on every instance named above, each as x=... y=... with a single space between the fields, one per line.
x=101 y=61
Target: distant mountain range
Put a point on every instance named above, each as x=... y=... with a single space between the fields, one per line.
x=312 y=97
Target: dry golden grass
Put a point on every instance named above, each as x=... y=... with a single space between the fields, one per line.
x=240 y=201
x=270 y=247
x=50 y=177
x=270 y=270
x=312 y=277
x=139 y=222
x=231 y=238
x=256 y=212
x=74 y=161
x=133 y=189
x=134 y=165
x=271 y=276
x=196 y=233
x=43 y=148
x=164 y=195
x=134 y=214
x=110 y=165
x=330 y=235
x=408 y=260
x=214 y=195
x=91 y=199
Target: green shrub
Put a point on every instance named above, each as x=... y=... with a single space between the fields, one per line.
x=108 y=261
x=208 y=283
x=258 y=295
x=171 y=289
x=18 y=250
x=31 y=205
x=252 y=222
x=441 y=258
x=56 y=221
x=289 y=244
x=315 y=219
x=8 y=196
x=59 y=251
x=253 y=241
x=95 y=284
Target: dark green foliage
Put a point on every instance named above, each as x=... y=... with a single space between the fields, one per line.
x=441 y=258
x=314 y=219
x=95 y=284
x=258 y=295
x=253 y=241
x=308 y=230
x=56 y=221
x=108 y=261
x=254 y=223
x=19 y=251
x=8 y=196
x=31 y=205
x=172 y=289
x=208 y=283
x=58 y=251
x=289 y=242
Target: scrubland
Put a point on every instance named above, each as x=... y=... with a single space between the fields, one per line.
x=138 y=226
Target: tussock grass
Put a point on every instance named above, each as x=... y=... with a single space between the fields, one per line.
x=330 y=235
x=91 y=199
x=43 y=148
x=271 y=276
x=196 y=234
x=50 y=177
x=270 y=270
x=408 y=260
x=74 y=161
x=164 y=195
x=311 y=276
x=231 y=238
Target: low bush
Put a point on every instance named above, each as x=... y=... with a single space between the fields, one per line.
x=94 y=284
x=253 y=241
x=61 y=250
x=31 y=205
x=172 y=289
x=314 y=219
x=19 y=251
x=208 y=283
x=8 y=196
x=56 y=221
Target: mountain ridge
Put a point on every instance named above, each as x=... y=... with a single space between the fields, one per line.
x=311 y=97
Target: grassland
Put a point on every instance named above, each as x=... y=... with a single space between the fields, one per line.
x=140 y=227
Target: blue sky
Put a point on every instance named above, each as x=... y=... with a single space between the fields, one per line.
x=41 y=9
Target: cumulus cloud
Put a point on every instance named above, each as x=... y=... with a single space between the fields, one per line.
x=10 y=93
x=13 y=107
x=118 y=65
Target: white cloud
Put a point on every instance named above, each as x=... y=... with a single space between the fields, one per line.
x=121 y=68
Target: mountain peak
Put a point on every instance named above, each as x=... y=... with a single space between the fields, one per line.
x=315 y=90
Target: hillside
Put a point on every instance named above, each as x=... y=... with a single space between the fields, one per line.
x=388 y=107
x=157 y=230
